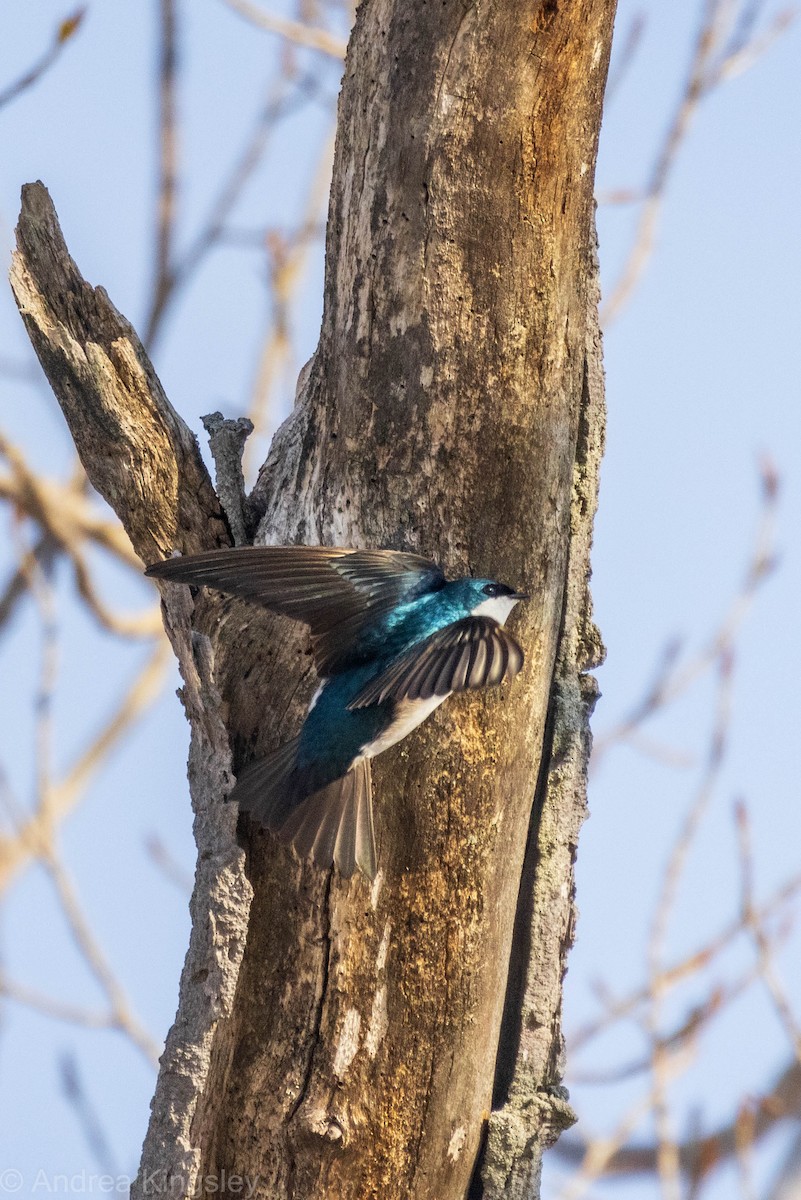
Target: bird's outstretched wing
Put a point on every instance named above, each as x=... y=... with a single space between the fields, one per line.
x=471 y=653
x=336 y=592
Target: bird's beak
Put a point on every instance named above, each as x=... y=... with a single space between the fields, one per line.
x=520 y=596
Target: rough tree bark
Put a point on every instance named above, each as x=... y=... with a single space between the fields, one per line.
x=402 y=1039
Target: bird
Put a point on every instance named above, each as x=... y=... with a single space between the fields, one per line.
x=391 y=639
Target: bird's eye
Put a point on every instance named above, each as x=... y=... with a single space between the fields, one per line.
x=491 y=589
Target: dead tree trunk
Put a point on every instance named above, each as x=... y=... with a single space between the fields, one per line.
x=335 y=1039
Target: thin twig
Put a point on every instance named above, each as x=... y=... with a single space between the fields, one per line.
x=88 y=1118
x=624 y=57
x=146 y=688
x=287 y=260
x=64 y=32
x=745 y=1126
x=64 y=510
x=167 y=865
x=121 y=1014
x=141 y=625
x=695 y=1023
x=595 y=1154
x=41 y=588
x=63 y=796
x=42 y=553
x=688 y=832
x=765 y=946
x=699 y=1155
x=65 y=515
x=168 y=167
x=292 y=31
x=667 y=1148
x=279 y=104
x=52 y=1006
x=725 y=46
x=618 y=1010
x=669 y=1157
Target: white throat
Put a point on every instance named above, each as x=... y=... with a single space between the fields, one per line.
x=497 y=607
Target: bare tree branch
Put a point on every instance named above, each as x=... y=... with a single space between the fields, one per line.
x=88 y=1119
x=287 y=258
x=168 y=167
x=65 y=31
x=765 y=946
x=292 y=31
x=138 y=453
x=626 y=47
x=167 y=865
x=282 y=101
x=17 y=849
x=121 y=1015
x=54 y=1006
x=43 y=846
x=64 y=511
x=621 y=1009
x=699 y=1156
x=725 y=46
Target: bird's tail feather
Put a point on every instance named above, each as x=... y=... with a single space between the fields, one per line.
x=332 y=825
x=266 y=788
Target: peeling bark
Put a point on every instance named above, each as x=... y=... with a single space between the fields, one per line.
x=335 y=1038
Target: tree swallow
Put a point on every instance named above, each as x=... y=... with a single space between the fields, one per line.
x=391 y=639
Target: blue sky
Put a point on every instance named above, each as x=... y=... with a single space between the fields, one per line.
x=702 y=380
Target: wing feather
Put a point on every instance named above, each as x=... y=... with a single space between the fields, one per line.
x=478 y=665
x=460 y=671
x=337 y=592
x=471 y=653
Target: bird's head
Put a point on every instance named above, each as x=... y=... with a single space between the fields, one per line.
x=486 y=597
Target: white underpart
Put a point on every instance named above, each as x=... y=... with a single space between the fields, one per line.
x=497 y=607
x=408 y=715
